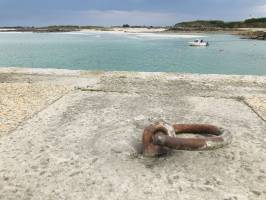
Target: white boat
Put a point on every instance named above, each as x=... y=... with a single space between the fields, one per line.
x=199 y=43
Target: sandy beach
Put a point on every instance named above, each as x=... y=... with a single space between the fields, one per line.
x=128 y=30
x=76 y=135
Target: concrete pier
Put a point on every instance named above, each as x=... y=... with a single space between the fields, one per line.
x=77 y=135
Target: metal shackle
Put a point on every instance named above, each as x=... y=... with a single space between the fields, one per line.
x=160 y=137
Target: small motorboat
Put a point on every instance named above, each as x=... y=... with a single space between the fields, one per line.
x=199 y=43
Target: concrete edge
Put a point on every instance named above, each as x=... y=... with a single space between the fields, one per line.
x=159 y=75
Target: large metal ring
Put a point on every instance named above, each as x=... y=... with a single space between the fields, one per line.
x=160 y=137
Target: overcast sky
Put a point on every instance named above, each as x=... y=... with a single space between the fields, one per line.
x=117 y=12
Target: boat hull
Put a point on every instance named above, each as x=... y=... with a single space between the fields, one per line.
x=203 y=44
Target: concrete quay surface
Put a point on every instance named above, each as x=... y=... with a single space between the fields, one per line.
x=77 y=135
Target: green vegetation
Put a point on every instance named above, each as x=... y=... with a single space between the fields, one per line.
x=201 y=23
x=56 y=28
x=232 y=27
x=216 y=24
x=66 y=28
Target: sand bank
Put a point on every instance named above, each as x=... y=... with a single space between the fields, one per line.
x=138 y=32
x=129 y=30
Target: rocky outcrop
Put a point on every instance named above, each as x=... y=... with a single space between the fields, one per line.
x=256 y=35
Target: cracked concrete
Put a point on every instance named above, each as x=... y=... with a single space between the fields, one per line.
x=85 y=145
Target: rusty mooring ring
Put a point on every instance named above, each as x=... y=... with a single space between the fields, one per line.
x=160 y=137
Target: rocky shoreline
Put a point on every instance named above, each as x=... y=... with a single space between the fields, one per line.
x=254 y=35
x=244 y=33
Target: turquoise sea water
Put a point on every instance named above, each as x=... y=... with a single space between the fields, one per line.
x=133 y=52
